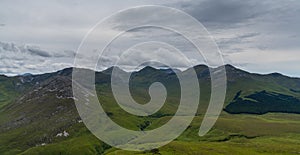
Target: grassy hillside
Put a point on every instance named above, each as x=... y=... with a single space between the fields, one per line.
x=264 y=102
x=245 y=134
x=38 y=114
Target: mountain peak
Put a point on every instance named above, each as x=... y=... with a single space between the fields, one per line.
x=110 y=69
x=147 y=68
x=275 y=74
x=229 y=66
x=26 y=74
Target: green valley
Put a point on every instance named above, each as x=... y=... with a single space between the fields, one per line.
x=260 y=115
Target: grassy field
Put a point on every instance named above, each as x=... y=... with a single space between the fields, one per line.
x=30 y=123
x=233 y=134
x=237 y=134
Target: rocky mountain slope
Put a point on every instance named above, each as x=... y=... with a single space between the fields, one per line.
x=38 y=110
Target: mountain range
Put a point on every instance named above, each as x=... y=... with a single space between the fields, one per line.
x=38 y=114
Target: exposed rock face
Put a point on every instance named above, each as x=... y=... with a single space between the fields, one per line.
x=48 y=97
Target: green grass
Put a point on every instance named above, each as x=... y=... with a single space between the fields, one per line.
x=232 y=134
x=272 y=133
x=87 y=144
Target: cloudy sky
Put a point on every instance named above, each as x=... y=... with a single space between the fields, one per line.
x=42 y=36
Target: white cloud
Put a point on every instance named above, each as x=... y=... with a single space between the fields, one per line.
x=262 y=35
x=23 y=58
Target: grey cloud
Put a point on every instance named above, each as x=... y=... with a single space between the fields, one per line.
x=38 y=52
x=219 y=11
x=12 y=47
x=239 y=27
x=237 y=43
x=249 y=35
x=34 y=50
x=65 y=53
x=19 y=59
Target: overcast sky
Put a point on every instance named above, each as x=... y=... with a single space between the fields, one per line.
x=39 y=36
